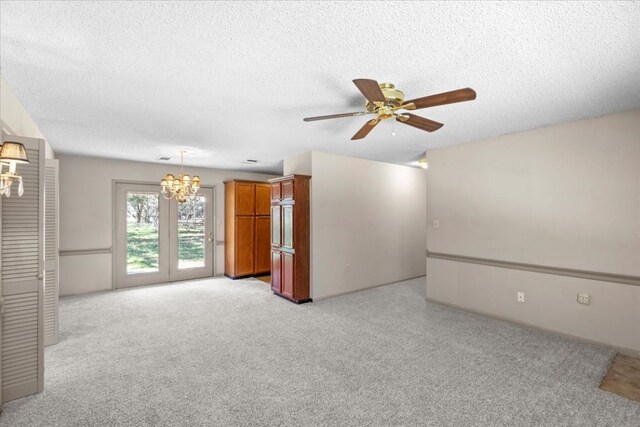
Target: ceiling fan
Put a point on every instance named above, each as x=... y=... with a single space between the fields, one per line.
x=385 y=101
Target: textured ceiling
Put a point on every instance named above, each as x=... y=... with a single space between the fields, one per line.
x=232 y=81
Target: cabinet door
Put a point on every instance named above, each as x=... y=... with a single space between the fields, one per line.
x=276 y=194
x=287 y=274
x=287 y=226
x=276 y=271
x=245 y=198
x=287 y=190
x=263 y=199
x=244 y=245
x=275 y=226
x=263 y=246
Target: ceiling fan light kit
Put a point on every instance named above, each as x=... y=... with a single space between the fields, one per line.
x=385 y=101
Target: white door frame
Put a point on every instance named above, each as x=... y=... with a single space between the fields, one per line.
x=122 y=279
x=167 y=272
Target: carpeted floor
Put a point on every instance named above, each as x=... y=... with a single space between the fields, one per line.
x=217 y=352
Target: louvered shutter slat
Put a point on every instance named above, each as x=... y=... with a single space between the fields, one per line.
x=22 y=354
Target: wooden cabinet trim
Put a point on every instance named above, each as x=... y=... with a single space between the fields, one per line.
x=288 y=177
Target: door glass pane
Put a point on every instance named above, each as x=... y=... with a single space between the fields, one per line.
x=287 y=226
x=191 y=233
x=142 y=232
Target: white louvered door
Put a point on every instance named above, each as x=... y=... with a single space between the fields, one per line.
x=51 y=284
x=22 y=237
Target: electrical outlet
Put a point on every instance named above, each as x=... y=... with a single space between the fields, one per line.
x=584 y=298
x=520 y=297
x=436 y=223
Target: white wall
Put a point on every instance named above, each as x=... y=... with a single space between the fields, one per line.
x=15 y=119
x=369 y=215
x=565 y=196
x=299 y=164
x=86 y=212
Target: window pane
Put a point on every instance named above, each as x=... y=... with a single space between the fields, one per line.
x=142 y=233
x=191 y=238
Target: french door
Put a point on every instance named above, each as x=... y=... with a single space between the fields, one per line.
x=159 y=240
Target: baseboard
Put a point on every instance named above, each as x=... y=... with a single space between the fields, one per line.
x=295 y=301
x=20 y=390
x=622 y=350
x=244 y=276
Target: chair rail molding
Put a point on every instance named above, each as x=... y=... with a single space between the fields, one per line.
x=558 y=271
x=70 y=252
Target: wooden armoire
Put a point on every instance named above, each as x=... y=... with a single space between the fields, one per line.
x=246 y=230
x=290 y=237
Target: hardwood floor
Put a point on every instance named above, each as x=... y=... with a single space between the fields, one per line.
x=265 y=279
x=623 y=377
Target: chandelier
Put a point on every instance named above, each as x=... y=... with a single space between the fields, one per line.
x=11 y=153
x=182 y=188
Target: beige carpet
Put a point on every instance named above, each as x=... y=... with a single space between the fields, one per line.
x=230 y=353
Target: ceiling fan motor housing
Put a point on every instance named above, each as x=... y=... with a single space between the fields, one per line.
x=394 y=97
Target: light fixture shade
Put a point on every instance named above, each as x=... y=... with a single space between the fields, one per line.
x=14 y=152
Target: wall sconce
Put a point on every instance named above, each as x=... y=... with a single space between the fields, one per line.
x=423 y=163
x=11 y=153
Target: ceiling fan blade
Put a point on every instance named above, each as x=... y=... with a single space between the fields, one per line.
x=335 y=116
x=364 y=130
x=419 y=122
x=370 y=89
x=460 y=95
